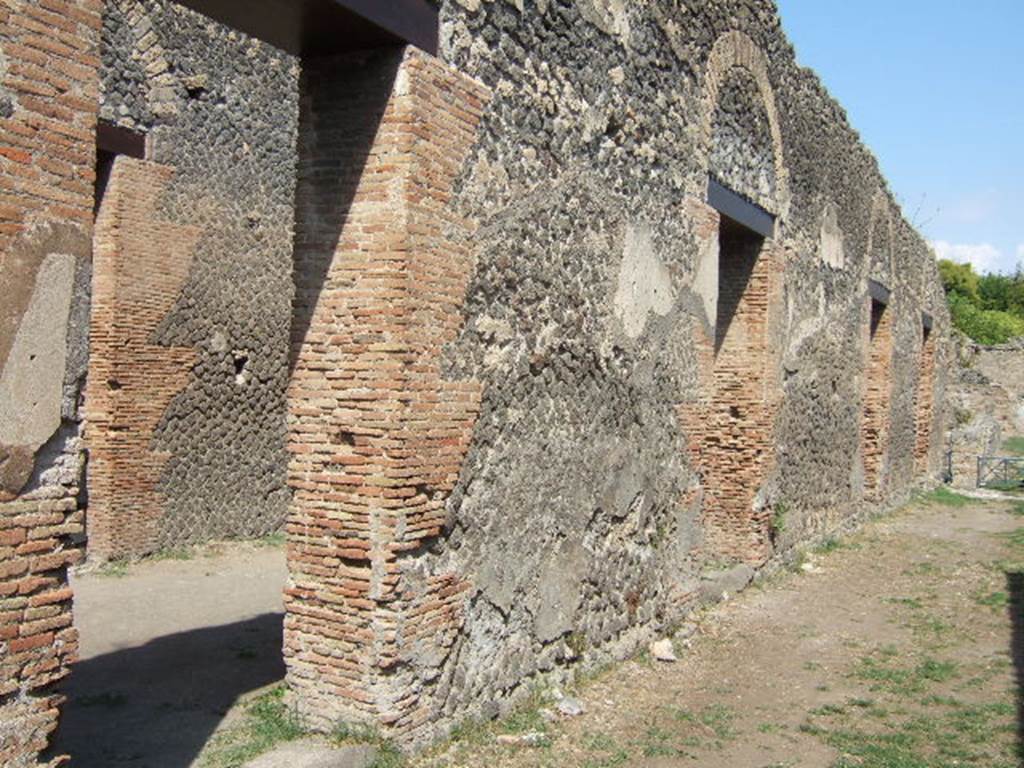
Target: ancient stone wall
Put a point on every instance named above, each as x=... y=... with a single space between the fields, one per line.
x=1002 y=368
x=48 y=63
x=220 y=112
x=541 y=396
x=594 y=504
x=985 y=406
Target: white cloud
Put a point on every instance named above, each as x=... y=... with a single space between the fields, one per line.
x=984 y=257
x=1020 y=252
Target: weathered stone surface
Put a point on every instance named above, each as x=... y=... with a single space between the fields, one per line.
x=537 y=385
x=662 y=650
x=716 y=584
x=985 y=406
x=645 y=285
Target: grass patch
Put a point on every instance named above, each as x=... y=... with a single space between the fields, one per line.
x=995 y=600
x=946 y=498
x=961 y=734
x=115 y=569
x=882 y=672
x=831 y=544
x=388 y=755
x=715 y=720
x=657 y=742
x=1014 y=446
x=268 y=722
x=611 y=753
x=175 y=553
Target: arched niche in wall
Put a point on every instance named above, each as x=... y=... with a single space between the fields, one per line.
x=740 y=132
x=741 y=270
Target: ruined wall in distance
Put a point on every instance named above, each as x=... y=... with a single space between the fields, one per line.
x=985 y=406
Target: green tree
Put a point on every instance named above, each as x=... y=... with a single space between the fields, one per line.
x=989 y=308
x=960 y=279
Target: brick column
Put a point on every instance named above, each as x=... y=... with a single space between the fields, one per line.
x=924 y=402
x=730 y=427
x=140 y=263
x=48 y=97
x=376 y=433
x=878 y=345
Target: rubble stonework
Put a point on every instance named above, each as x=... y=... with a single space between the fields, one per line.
x=526 y=397
x=985 y=406
x=591 y=500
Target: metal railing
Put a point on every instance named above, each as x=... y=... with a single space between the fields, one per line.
x=1001 y=472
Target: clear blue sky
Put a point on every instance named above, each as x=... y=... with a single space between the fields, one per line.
x=936 y=90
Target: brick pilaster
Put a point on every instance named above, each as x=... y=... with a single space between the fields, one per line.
x=875 y=421
x=924 y=402
x=376 y=433
x=140 y=263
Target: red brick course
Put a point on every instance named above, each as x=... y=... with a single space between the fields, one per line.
x=924 y=402
x=377 y=434
x=139 y=266
x=878 y=345
x=730 y=428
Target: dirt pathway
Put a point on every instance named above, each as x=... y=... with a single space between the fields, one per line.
x=168 y=647
x=892 y=649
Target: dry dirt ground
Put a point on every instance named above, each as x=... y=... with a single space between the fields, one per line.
x=169 y=646
x=897 y=647
x=893 y=648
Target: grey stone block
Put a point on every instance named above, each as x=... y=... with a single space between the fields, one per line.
x=715 y=584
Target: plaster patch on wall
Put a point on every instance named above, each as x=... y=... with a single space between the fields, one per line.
x=32 y=379
x=560 y=592
x=705 y=281
x=831 y=239
x=645 y=285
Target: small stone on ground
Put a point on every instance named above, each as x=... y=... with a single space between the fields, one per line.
x=662 y=650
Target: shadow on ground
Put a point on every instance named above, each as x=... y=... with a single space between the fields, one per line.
x=156 y=705
x=1015 y=588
